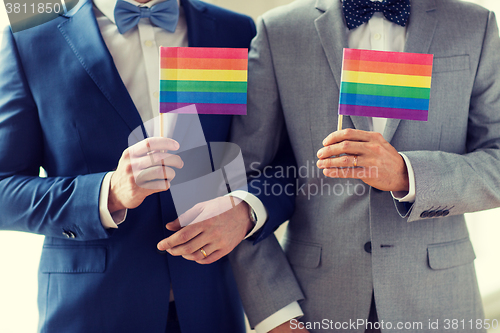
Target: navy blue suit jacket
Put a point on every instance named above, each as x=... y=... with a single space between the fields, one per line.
x=63 y=106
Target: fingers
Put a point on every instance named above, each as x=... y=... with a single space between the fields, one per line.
x=190 y=215
x=188 y=243
x=339 y=173
x=137 y=170
x=189 y=247
x=155 y=173
x=345 y=161
x=153 y=144
x=350 y=134
x=174 y=225
x=197 y=254
x=157 y=159
x=354 y=173
x=181 y=237
x=344 y=147
x=217 y=234
x=212 y=255
x=192 y=250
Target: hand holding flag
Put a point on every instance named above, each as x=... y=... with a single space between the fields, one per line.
x=367 y=156
x=376 y=84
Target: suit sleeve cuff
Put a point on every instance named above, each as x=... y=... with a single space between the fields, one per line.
x=256 y=205
x=109 y=220
x=410 y=195
x=287 y=313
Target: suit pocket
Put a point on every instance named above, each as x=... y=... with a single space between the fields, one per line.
x=302 y=254
x=451 y=64
x=73 y=259
x=450 y=254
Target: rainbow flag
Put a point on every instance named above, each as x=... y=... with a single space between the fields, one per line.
x=385 y=84
x=215 y=79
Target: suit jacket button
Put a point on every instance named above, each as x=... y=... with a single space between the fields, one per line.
x=446 y=212
x=424 y=214
x=368 y=247
x=69 y=234
x=439 y=213
x=432 y=213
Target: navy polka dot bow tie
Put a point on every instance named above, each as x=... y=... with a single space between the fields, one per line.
x=357 y=12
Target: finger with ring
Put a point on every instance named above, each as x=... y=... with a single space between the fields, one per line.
x=203 y=252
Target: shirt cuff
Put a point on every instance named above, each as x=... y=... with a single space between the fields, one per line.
x=109 y=220
x=256 y=205
x=403 y=196
x=288 y=313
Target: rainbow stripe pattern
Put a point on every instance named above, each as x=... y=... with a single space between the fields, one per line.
x=386 y=84
x=214 y=79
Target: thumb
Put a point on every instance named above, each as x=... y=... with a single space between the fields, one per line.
x=174 y=225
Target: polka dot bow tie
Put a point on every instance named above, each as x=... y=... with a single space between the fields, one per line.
x=357 y=12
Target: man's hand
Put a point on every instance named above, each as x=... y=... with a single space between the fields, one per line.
x=287 y=328
x=143 y=169
x=369 y=157
x=215 y=225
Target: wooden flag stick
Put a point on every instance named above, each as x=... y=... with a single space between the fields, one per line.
x=161 y=125
x=339 y=125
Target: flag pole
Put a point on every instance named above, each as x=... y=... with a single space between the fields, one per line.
x=161 y=125
x=341 y=117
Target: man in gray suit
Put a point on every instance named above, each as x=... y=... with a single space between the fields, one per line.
x=381 y=231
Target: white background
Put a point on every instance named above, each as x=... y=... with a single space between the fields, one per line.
x=20 y=252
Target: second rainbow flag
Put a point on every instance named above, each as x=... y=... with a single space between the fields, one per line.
x=386 y=84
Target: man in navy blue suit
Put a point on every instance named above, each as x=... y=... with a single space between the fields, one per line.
x=71 y=92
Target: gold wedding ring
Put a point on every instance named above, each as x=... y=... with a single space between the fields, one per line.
x=203 y=252
x=355 y=161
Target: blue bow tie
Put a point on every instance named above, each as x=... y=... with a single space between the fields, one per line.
x=357 y=12
x=164 y=15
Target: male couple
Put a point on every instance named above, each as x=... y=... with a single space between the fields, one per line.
x=398 y=253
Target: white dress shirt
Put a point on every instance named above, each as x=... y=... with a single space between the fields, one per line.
x=377 y=34
x=136 y=57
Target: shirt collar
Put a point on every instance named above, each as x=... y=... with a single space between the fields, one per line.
x=107 y=7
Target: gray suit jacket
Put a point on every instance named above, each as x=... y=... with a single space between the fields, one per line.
x=421 y=264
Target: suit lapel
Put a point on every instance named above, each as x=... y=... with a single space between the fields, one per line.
x=421 y=28
x=201 y=27
x=82 y=34
x=331 y=29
